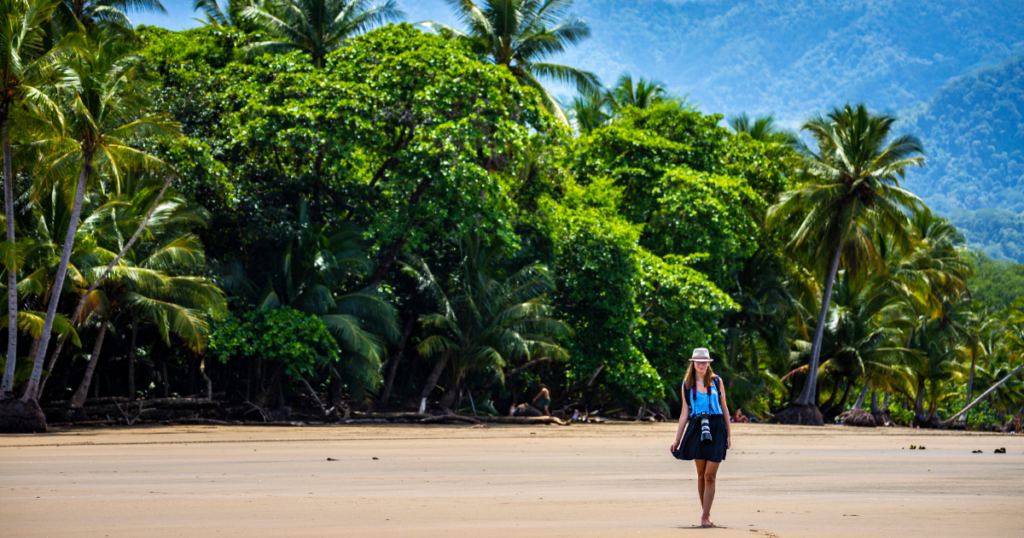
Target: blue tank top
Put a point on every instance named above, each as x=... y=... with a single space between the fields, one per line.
x=705 y=403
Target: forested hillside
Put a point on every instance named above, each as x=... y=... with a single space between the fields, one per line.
x=974 y=134
x=996 y=232
x=793 y=58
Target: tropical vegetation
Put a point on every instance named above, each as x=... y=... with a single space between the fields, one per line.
x=302 y=209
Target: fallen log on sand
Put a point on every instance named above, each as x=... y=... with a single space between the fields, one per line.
x=525 y=420
x=448 y=419
x=163 y=403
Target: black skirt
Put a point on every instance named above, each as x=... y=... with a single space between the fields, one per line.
x=692 y=449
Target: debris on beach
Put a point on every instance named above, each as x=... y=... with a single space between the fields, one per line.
x=975 y=452
x=1001 y=450
x=857 y=417
x=332 y=459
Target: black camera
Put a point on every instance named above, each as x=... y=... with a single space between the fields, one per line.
x=705 y=429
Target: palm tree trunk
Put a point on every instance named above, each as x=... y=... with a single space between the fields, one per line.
x=919 y=399
x=396 y=356
x=31 y=393
x=110 y=267
x=863 y=394
x=163 y=375
x=131 y=356
x=874 y=401
x=435 y=374
x=754 y=362
x=807 y=396
x=970 y=381
x=78 y=400
x=12 y=271
x=834 y=393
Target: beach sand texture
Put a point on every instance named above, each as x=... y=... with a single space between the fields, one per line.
x=591 y=480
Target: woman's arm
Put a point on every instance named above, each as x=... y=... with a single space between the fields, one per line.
x=683 y=417
x=725 y=414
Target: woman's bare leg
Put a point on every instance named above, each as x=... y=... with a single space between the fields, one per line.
x=700 y=479
x=710 y=473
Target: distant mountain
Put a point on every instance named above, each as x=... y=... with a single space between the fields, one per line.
x=996 y=232
x=796 y=57
x=973 y=130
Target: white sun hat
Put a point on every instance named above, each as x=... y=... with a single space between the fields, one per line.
x=701 y=354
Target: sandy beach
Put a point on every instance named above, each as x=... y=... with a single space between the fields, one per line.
x=590 y=480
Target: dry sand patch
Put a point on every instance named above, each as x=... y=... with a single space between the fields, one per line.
x=584 y=480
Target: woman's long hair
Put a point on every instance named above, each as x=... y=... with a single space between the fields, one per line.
x=691 y=377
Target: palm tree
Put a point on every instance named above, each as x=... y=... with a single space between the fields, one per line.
x=485 y=324
x=173 y=303
x=107 y=118
x=229 y=12
x=519 y=34
x=588 y=111
x=759 y=327
x=643 y=94
x=852 y=188
x=762 y=129
x=111 y=13
x=310 y=273
x=863 y=334
x=28 y=73
x=316 y=27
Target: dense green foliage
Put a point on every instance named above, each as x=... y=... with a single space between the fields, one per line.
x=299 y=342
x=400 y=218
x=996 y=283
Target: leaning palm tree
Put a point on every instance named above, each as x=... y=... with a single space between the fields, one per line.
x=316 y=27
x=107 y=120
x=762 y=129
x=29 y=72
x=520 y=34
x=852 y=188
x=642 y=94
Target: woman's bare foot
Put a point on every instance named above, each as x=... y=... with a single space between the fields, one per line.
x=706 y=522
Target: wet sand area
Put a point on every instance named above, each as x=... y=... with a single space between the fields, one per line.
x=593 y=480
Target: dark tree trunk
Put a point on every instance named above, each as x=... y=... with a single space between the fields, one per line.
x=874 y=401
x=807 y=396
x=131 y=356
x=833 y=394
x=970 y=381
x=860 y=399
x=435 y=374
x=919 y=399
x=163 y=376
x=396 y=356
x=78 y=400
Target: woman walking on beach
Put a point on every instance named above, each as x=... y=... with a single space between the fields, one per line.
x=703 y=399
